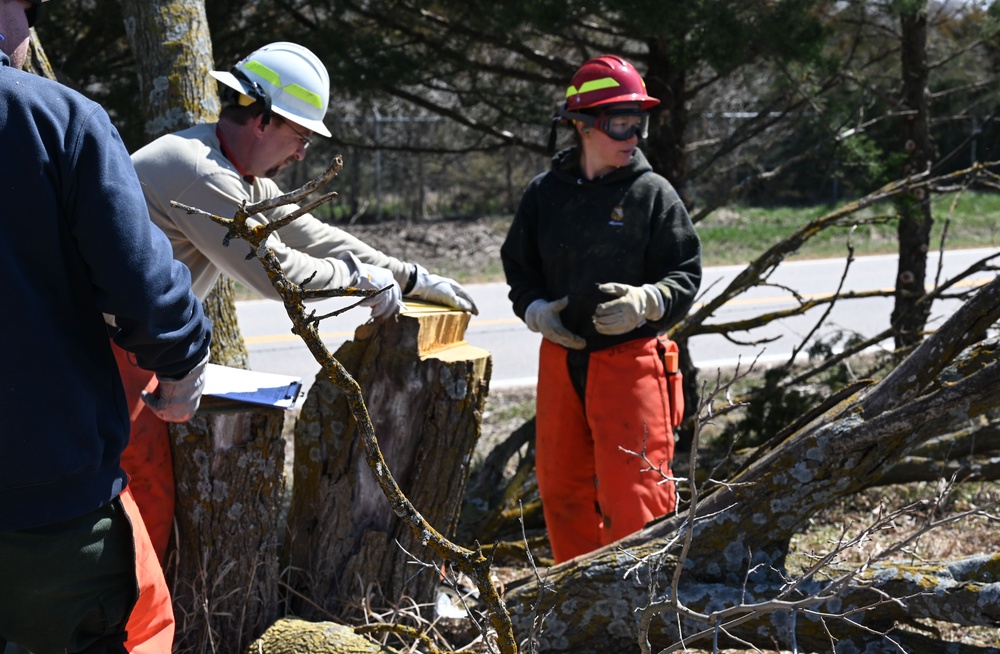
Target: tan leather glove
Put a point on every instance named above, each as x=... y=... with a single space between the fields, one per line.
x=372 y=278
x=634 y=306
x=542 y=316
x=442 y=290
x=176 y=400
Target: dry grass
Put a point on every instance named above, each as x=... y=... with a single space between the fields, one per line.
x=973 y=537
x=507 y=409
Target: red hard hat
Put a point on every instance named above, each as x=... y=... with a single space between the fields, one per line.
x=607 y=79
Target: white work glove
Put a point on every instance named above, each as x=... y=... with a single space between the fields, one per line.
x=372 y=278
x=542 y=316
x=176 y=400
x=441 y=290
x=634 y=306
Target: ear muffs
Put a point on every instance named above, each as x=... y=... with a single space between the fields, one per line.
x=255 y=94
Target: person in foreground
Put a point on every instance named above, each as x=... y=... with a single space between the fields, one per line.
x=601 y=259
x=274 y=102
x=77 y=569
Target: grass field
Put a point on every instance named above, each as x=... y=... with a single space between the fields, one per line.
x=736 y=235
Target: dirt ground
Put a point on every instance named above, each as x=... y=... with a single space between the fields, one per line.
x=468 y=250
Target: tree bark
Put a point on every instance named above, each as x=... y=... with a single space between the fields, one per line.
x=915 y=217
x=290 y=636
x=667 y=80
x=426 y=405
x=228 y=347
x=37 y=61
x=224 y=572
x=741 y=531
x=173 y=52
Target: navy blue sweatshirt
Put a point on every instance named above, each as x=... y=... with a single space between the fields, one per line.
x=76 y=243
x=571 y=234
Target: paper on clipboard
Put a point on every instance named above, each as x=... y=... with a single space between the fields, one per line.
x=265 y=388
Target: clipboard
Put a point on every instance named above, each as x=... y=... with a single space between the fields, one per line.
x=226 y=388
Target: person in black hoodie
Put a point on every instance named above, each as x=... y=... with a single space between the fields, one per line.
x=77 y=569
x=601 y=258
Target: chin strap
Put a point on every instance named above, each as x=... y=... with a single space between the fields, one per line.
x=552 y=133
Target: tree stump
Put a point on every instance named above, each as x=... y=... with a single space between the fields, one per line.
x=223 y=572
x=290 y=636
x=425 y=389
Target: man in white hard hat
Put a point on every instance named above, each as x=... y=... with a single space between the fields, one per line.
x=274 y=101
x=77 y=570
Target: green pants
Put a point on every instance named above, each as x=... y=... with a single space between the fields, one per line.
x=69 y=587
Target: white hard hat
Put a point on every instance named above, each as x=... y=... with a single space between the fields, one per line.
x=288 y=78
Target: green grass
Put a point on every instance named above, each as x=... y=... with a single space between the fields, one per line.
x=737 y=235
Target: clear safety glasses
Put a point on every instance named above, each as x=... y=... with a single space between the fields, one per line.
x=306 y=141
x=619 y=124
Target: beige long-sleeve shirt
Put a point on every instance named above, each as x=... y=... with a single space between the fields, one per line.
x=190 y=167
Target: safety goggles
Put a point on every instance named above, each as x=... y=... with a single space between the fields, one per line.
x=619 y=124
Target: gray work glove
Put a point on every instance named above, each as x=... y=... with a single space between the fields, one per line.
x=543 y=317
x=441 y=290
x=372 y=278
x=634 y=306
x=176 y=400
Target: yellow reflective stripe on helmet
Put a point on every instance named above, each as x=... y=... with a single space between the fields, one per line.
x=593 y=85
x=304 y=94
x=260 y=69
x=294 y=90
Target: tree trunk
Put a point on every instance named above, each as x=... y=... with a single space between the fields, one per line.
x=37 y=61
x=173 y=52
x=742 y=530
x=228 y=347
x=914 y=208
x=426 y=405
x=224 y=572
x=667 y=81
x=290 y=636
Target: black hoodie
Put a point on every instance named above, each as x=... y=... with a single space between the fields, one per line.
x=571 y=234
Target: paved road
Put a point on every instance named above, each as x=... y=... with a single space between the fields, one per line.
x=273 y=348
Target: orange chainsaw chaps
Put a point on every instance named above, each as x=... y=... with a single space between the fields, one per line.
x=593 y=458
x=147 y=458
x=150 y=627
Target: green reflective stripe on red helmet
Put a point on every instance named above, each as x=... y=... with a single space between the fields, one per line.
x=274 y=78
x=593 y=85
